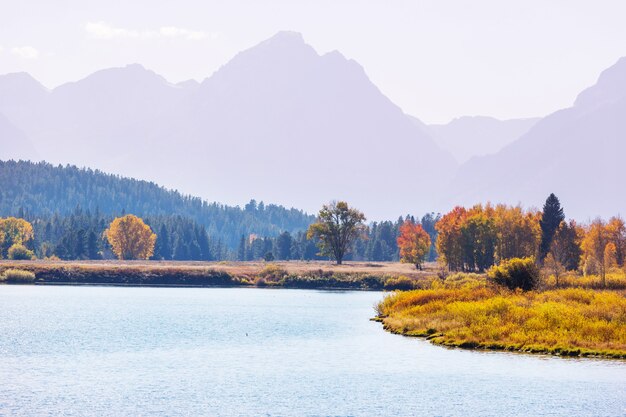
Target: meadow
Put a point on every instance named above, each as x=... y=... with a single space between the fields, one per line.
x=289 y=274
x=467 y=311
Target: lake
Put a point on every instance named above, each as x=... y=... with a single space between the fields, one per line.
x=106 y=351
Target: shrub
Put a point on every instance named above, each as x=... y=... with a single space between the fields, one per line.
x=19 y=252
x=401 y=282
x=18 y=275
x=272 y=273
x=516 y=273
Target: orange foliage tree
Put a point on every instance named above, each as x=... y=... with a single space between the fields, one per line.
x=414 y=243
x=131 y=238
x=449 y=239
x=476 y=238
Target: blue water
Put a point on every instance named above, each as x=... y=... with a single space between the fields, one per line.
x=102 y=351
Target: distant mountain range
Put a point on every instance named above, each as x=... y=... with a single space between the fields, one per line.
x=277 y=123
x=467 y=137
x=281 y=123
x=577 y=153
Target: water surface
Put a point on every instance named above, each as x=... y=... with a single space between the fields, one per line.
x=104 y=351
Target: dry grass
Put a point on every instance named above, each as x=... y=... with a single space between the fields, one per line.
x=351 y=275
x=473 y=313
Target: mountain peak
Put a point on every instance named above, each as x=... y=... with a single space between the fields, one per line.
x=127 y=77
x=284 y=42
x=611 y=86
x=16 y=80
x=287 y=35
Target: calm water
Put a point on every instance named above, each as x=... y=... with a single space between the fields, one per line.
x=90 y=351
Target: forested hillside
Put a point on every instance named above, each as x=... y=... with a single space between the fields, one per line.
x=41 y=190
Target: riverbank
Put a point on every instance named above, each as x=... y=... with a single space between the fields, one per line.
x=294 y=274
x=582 y=322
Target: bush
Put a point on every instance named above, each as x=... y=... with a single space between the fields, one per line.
x=401 y=282
x=17 y=275
x=272 y=273
x=516 y=273
x=19 y=252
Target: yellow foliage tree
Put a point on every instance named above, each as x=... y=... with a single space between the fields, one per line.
x=14 y=231
x=131 y=238
x=594 y=246
x=518 y=232
x=617 y=234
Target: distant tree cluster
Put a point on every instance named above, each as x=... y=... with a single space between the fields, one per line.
x=603 y=246
x=377 y=242
x=41 y=190
x=475 y=239
x=81 y=235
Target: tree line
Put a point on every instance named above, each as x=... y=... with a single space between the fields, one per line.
x=40 y=190
x=477 y=238
x=82 y=236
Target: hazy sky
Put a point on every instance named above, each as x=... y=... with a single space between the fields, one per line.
x=435 y=59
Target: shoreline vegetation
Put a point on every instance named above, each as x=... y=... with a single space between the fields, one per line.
x=580 y=316
x=305 y=275
x=574 y=319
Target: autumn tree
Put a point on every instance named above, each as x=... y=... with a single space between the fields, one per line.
x=517 y=232
x=478 y=236
x=551 y=218
x=131 y=238
x=414 y=243
x=449 y=238
x=595 y=253
x=617 y=235
x=337 y=227
x=14 y=231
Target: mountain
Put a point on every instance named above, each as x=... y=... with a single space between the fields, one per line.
x=42 y=190
x=577 y=153
x=279 y=122
x=13 y=142
x=466 y=137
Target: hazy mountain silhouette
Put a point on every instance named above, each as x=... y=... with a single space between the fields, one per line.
x=577 y=153
x=466 y=137
x=278 y=123
x=14 y=143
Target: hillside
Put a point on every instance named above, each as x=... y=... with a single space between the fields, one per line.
x=576 y=153
x=279 y=123
x=42 y=189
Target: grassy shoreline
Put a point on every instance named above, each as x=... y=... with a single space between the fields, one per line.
x=306 y=275
x=569 y=322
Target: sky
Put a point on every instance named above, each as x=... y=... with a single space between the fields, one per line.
x=437 y=59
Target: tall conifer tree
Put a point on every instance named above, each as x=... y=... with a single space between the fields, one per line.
x=551 y=218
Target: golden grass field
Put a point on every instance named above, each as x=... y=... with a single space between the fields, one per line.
x=470 y=312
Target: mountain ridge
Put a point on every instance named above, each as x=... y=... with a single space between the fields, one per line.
x=262 y=127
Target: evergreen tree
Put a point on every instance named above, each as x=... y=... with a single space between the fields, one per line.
x=283 y=246
x=92 y=245
x=241 y=252
x=551 y=218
